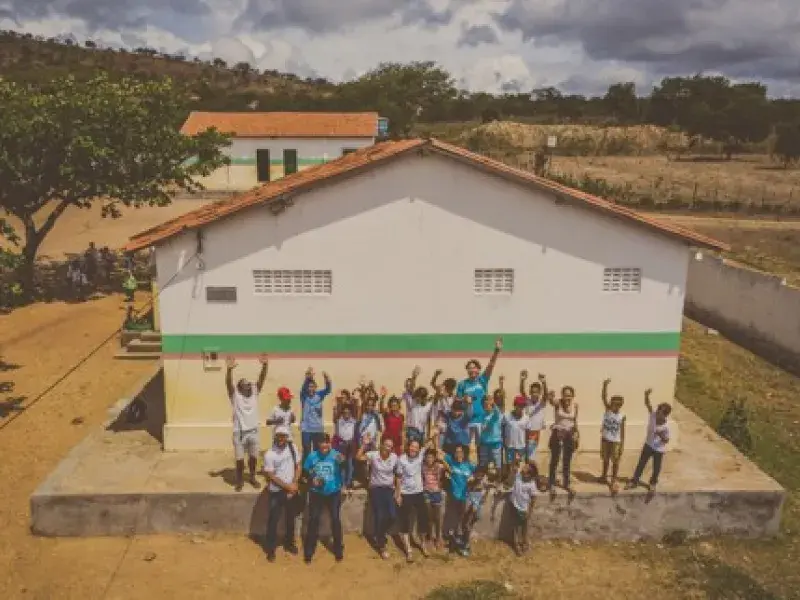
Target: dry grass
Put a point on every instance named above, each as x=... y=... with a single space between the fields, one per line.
x=750 y=179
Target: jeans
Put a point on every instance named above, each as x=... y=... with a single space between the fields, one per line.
x=487 y=453
x=644 y=457
x=559 y=447
x=310 y=440
x=384 y=512
x=279 y=503
x=347 y=471
x=316 y=502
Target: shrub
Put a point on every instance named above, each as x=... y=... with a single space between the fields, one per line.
x=734 y=426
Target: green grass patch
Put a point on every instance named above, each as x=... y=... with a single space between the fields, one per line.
x=471 y=590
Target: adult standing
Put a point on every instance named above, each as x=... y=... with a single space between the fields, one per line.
x=282 y=468
x=563 y=439
x=411 y=500
x=476 y=386
x=324 y=471
x=244 y=403
x=382 y=464
x=312 y=425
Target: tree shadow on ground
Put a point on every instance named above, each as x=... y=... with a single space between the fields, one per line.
x=9 y=404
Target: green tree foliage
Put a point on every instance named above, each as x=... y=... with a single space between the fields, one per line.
x=787 y=143
x=402 y=92
x=713 y=108
x=621 y=102
x=72 y=144
x=735 y=427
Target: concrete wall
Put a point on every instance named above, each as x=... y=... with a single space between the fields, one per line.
x=402 y=243
x=241 y=173
x=757 y=310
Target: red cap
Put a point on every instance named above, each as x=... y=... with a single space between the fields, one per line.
x=520 y=401
x=285 y=393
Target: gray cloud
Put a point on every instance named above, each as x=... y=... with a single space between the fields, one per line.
x=478 y=34
x=675 y=36
x=321 y=16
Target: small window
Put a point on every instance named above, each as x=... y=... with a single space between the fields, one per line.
x=494 y=281
x=221 y=294
x=346 y=151
x=622 y=279
x=268 y=282
x=211 y=359
x=289 y=162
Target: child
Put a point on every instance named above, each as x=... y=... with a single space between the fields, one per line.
x=443 y=398
x=244 y=402
x=537 y=399
x=478 y=487
x=459 y=470
x=418 y=412
x=283 y=415
x=411 y=500
x=612 y=439
x=456 y=425
x=655 y=444
x=522 y=498
x=393 y=423
x=344 y=440
x=312 y=427
x=516 y=427
x=490 y=451
x=499 y=394
x=432 y=471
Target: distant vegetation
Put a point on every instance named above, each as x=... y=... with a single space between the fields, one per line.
x=735 y=116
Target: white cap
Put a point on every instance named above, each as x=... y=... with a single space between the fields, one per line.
x=282 y=430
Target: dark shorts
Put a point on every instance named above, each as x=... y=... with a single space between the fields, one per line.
x=433 y=498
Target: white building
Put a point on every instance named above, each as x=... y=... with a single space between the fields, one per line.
x=268 y=145
x=417 y=252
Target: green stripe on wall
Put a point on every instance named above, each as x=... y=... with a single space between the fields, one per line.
x=578 y=343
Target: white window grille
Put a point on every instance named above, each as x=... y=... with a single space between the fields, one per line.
x=622 y=279
x=494 y=281
x=280 y=282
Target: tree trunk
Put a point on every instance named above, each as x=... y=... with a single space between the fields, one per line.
x=27 y=270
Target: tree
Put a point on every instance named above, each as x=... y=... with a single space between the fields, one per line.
x=621 y=101
x=401 y=92
x=787 y=143
x=73 y=144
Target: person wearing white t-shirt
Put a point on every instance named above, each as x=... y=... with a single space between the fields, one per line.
x=410 y=499
x=244 y=402
x=443 y=397
x=282 y=468
x=612 y=436
x=536 y=396
x=522 y=498
x=283 y=415
x=382 y=464
x=655 y=445
x=516 y=427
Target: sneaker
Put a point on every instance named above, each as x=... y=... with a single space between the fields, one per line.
x=465 y=551
x=307 y=560
x=339 y=558
x=631 y=485
x=384 y=554
x=254 y=482
x=239 y=485
x=271 y=557
x=409 y=557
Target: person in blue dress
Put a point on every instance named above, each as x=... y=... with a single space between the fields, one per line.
x=459 y=471
x=476 y=386
x=323 y=471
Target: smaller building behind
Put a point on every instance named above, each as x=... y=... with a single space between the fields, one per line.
x=269 y=145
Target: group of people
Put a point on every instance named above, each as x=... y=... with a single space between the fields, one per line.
x=413 y=450
x=94 y=268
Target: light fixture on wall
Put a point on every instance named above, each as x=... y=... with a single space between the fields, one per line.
x=698 y=255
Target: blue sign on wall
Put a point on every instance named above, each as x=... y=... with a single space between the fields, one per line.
x=383 y=126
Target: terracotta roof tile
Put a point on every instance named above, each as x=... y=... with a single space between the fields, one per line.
x=284 y=124
x=366 y=158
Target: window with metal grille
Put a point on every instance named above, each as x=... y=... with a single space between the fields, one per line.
x=494 y=281
x=622 y=279
x=220 y=294
x=273 y=282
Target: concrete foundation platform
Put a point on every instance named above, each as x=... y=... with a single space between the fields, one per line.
x=118 y=481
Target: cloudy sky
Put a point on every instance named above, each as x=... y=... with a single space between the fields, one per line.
x=578 y=45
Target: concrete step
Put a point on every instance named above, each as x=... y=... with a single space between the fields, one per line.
x=142 y=345
x=150 y=336
x=126 y=355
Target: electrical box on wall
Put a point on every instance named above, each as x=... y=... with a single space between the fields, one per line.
x=211 y=359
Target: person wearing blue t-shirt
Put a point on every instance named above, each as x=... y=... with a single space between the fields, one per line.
x=456 y=425
x=312 y=425
x=491 y=448
x=324 y=472
x=459 y=470
x=476 y=386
